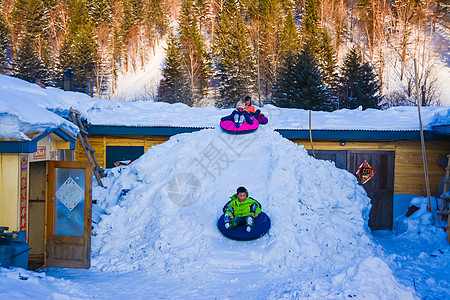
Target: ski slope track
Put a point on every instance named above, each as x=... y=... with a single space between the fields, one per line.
x=319 y=245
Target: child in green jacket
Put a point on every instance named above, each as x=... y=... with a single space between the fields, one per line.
x=241 y=210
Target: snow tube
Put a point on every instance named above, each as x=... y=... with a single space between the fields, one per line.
x=260 y=228
x=228 y=126
x=262 y=119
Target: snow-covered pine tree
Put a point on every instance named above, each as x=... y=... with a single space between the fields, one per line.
x=5 y=45
x=30 y=22
x=28 y=64
x=319 y=40
x=234 y=59
x=99 y=11
x=194 y=58
x=300 y=84
x=174 y=87
x=358 y=84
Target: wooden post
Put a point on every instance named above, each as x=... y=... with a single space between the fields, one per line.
x=310 y=135
x=422 y=141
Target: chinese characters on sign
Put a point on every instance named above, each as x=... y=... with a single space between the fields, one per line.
x=365 y=172
x=41 y=152
x=23 y=191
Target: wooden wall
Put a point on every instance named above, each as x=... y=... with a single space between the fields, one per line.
x=409 y=171
x=99 y=143
x=9 y=190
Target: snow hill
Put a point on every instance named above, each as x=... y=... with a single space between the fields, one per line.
x=161 y=213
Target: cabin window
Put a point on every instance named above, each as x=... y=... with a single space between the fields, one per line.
x=122 y=153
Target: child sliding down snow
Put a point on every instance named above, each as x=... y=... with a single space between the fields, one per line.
x=241 y=210
x=250 y=108
x=239 y=116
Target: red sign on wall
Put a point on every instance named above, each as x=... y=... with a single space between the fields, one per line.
x=365 y=172
x=41 y=152
x=23 y=191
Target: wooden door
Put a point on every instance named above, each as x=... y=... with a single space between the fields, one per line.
x=380 y=188
x=68 y=214
x=338 y=156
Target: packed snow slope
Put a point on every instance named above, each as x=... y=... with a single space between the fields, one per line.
x=161 y=214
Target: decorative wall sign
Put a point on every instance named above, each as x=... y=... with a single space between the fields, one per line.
x=23 y=198
x=365 y=172
x=41 y=152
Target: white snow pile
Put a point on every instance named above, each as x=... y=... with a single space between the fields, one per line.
x=18 y=283
x=161 y=214
x=420 y=225
x=21 y=118
x=418 y=251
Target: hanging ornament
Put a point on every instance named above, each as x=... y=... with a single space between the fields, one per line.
x=365 y=172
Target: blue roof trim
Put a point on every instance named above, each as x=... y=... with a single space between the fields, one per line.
x=18 y=147
x=137 y=130
x=442 y=129
x=31 y=146
x=358 y=134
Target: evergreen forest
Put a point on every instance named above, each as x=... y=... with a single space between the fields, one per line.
x=310 y=54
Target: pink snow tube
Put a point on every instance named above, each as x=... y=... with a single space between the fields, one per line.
x=229 y=126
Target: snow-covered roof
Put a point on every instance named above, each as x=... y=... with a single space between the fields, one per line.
x=22 y=114
x=22 y=111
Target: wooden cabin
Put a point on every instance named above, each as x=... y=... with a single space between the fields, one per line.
x=396 y=156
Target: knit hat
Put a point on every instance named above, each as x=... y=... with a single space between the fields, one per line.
x=240 y=104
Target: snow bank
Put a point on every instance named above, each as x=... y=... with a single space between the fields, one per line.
x=163 y=208
x=17 y=283
x=421 y=224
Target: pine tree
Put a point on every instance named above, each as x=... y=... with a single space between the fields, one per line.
x=319 y=40
x=193 y=54
x=5 y=45
x=30 y=25
x=235 y=62
x=28 y=64
x=358 y=83
x=79 y=53
x=174 y=87
x=290 y=39
x=300 y=84
x=99 y=11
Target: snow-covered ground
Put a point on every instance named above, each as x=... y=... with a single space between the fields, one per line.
x=160 y=240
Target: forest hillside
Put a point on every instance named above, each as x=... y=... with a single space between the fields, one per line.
x=334 y=53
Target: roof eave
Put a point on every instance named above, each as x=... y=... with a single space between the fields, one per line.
x=359 y=135
x=31 y=146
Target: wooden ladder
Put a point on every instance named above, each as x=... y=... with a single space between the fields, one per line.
x=445 y=200
x=84 y=140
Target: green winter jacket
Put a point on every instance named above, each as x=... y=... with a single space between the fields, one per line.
x=242 y=209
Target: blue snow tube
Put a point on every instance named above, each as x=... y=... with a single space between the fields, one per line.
x=260 y=227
